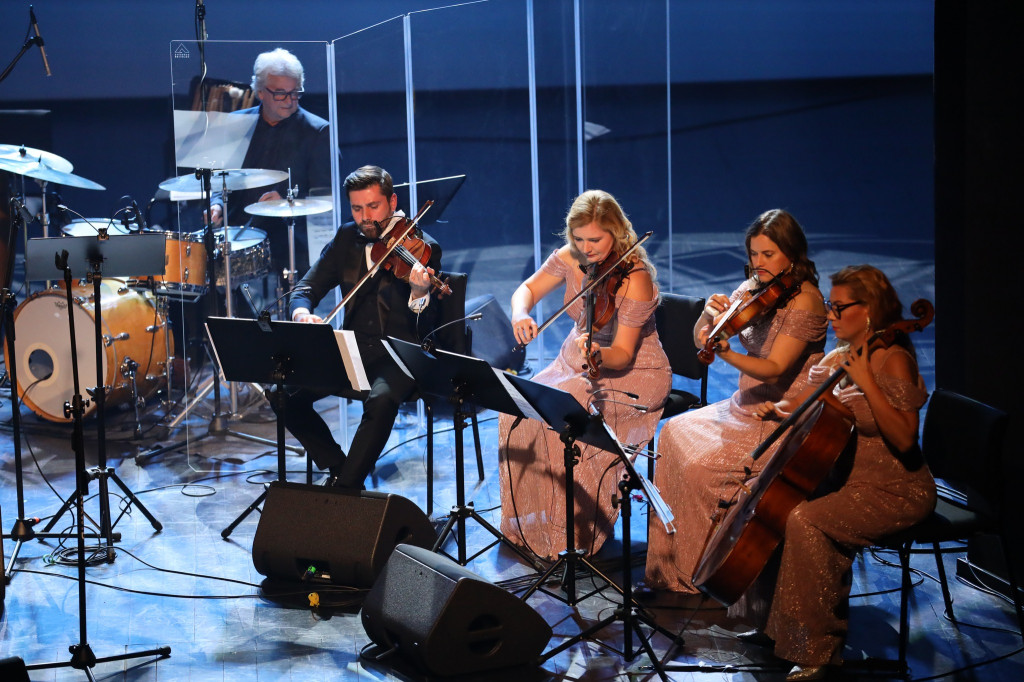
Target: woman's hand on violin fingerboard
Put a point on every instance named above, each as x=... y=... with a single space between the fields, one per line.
x=581 y=343
x=524 y=327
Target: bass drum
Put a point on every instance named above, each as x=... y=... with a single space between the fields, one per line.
x=133 y=331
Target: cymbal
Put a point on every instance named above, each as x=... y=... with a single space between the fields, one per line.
x=29 y=155
x=282 y=208
x=41 y=171
x=234 y=179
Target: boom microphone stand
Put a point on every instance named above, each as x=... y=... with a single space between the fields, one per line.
x=82 y=656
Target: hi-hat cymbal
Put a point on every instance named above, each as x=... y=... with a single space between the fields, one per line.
x=232 y=180
x=41 y=171
x=29 y=155
x=282 y=208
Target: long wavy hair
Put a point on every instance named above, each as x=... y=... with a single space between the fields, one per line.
x=600 y=207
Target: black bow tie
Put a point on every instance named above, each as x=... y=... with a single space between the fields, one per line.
x=364 y=240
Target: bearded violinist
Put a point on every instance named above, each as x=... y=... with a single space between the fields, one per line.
x=704 y=452
x=385 y=305
x=633 y=370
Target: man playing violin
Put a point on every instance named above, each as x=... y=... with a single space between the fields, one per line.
x=384 y=305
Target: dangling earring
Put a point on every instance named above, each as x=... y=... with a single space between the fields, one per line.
x=868 y=327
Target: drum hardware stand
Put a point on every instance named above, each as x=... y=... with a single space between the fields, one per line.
x=82 y=656
x=101 y=472
x=217 y=425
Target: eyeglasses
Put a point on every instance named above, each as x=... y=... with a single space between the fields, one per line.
x=282 y=95
x=838 y=308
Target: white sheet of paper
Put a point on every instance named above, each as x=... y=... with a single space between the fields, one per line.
x=353 y=362
x=212 y=139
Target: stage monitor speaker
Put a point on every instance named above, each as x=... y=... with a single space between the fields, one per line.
x=328 y=535
x=447 y=620
x=492 y=335
x=13 y=670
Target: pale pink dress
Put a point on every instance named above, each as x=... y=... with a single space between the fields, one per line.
x=531 y=457
x=883 y=493
x=704 y=452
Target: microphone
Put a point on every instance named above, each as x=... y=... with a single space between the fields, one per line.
x=39 y=39
x=26 y=216
x=636 y=406
x=139 y=220
x=634 y=396
x=429 y=346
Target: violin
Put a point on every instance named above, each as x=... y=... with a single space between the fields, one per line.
x=756 y=523
x=398 y=242
x=585 y=291
x=747 y=309
x=601 y=302
x=403 y=257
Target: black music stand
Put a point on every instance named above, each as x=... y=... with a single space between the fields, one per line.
x=460 y=379
x=277 y=352
x=554 y=405
x=82 y=656
x=439 y=190
x=142 y=254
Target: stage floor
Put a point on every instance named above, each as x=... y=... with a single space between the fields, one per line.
x=187 y=588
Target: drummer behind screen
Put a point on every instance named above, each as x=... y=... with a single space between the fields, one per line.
x=286 y=137
x=383 y=306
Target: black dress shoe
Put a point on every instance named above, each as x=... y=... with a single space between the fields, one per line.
x=757 y=638
x=644 y=592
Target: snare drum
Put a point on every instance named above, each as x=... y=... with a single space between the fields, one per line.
x=250 y=254
x=184 y=268
x=89 y=227
x=132 y=330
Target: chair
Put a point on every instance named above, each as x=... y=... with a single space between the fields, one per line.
x=963 y=445
x=454 y=338
x=675 y=319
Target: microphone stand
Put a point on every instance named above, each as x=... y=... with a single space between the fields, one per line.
x=82 y=656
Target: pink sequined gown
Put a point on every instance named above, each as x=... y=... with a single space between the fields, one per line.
x=704 y=452
x=531 y=460
x=882 y=494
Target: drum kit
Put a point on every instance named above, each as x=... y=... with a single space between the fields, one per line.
x=135 y=309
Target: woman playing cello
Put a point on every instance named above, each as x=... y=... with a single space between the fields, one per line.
x=888 y=486
x=633 y=370
x=704 y=451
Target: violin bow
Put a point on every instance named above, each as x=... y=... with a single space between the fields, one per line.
x=587 y=289
x=410 y=226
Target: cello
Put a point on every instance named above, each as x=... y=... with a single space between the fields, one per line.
x=755 y=524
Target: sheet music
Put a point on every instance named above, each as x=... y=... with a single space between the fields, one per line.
x=353 y=361
x=398 y=360
x=525 y=407
x=211 y=139
x=658 y=504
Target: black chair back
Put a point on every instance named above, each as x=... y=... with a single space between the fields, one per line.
x=675 y=319
x=453 y=307
x=962 y=443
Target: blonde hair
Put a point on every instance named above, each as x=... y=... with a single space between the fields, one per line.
x=599 y=207
x=870 y=285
